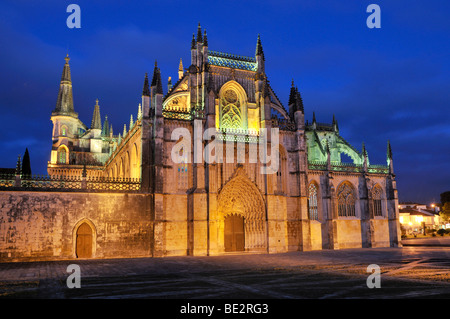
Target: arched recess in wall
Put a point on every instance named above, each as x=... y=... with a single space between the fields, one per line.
x=233 y=104
x=121 y=168
x=127 y=168
x=84 y=239
x=135 y=162
x=116 y=173
x=63 y=154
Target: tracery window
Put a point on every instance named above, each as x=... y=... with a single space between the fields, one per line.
x=312 y=202
x=62 y=155
x=376 y=201
x=346 y=200
x=231 y=110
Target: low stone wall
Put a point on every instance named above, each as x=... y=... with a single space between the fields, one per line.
x=43 y=225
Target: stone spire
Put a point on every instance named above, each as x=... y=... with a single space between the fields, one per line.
x=18 y=166
x=363 y=150
x=169 y=84
x=259 y=49
x=180 y=70
x=64 y=103
x=292 y=93
x=156 y=81
x=205 y=39
x=105 y=129
x=299 y=102
x=389 y=151
x=295 y=101
x=335 y=125
x=139 y=115
x=365 y=159
x=193 y=41
x=390 y=160
x=146 y=89
x=199 y=33
x=96 y=119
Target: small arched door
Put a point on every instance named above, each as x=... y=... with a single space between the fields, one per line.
x=84 y=241
x=234 y=233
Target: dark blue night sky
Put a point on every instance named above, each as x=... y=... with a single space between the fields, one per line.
x=382 y=84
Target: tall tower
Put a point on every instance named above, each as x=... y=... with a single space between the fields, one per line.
x=66 y=125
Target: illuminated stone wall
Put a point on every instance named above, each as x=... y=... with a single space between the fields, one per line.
x=43 y=225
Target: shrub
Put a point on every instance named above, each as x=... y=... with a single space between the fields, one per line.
x=442 y=232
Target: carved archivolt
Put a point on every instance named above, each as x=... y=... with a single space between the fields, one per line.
x=240 y=195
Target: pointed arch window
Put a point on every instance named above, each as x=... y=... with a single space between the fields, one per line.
x=376 y=201
x=313 y=208
x=346 y=200
x=64 y=130
x=62 y=155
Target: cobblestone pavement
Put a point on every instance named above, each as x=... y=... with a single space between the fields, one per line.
x=408 y=272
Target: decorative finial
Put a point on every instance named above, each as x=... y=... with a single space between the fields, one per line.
x=199 y=33
x=205 y=38
x=193 y=41
x=139 y=116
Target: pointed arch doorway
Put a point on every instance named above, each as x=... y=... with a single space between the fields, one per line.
x=234 y=234
x=241 y=198
x=84 y=239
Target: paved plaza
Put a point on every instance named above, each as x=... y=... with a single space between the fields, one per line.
x=408 y=272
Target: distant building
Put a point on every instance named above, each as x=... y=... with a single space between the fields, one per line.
x=414 y=216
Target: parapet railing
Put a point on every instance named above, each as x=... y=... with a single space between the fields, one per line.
x=347 y=167
x=69 y=183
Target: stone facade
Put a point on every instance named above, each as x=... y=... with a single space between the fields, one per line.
x=280 y=181
x=43 y=225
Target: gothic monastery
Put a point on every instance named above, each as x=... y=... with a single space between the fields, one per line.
x=123 y=194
